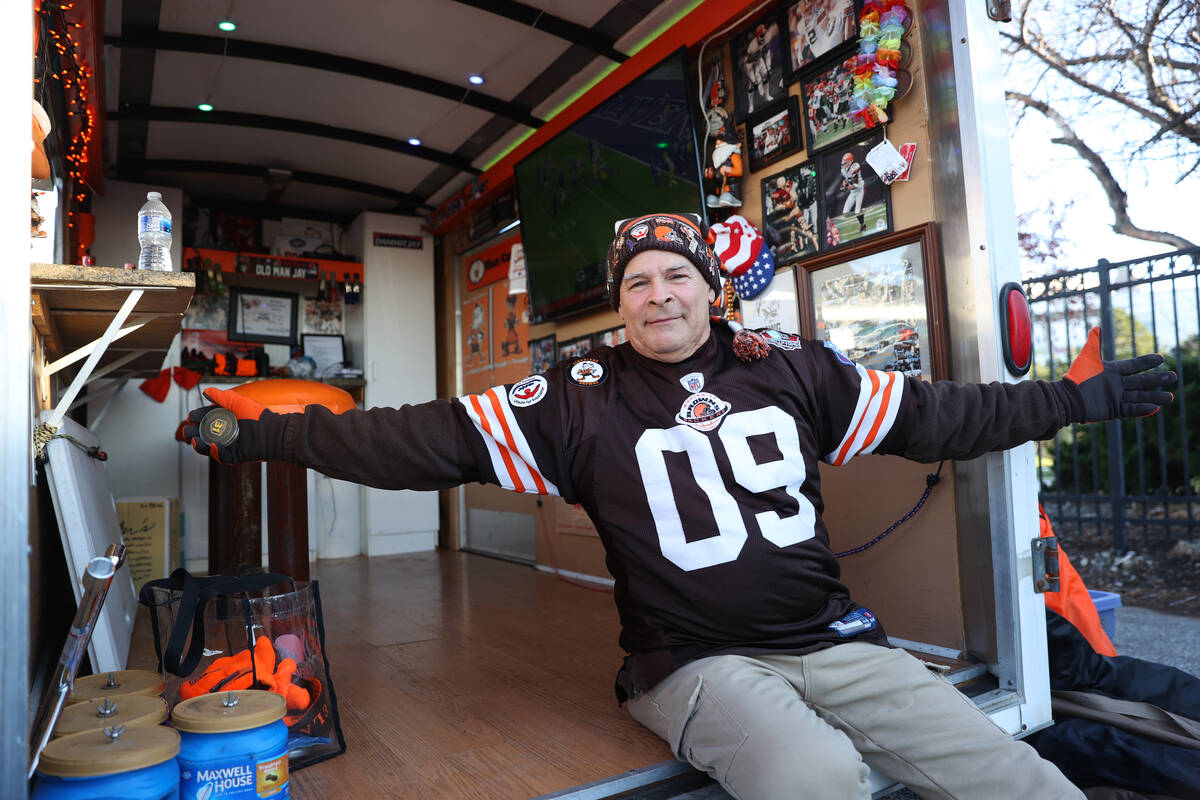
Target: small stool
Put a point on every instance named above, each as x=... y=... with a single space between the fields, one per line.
x=235 y=492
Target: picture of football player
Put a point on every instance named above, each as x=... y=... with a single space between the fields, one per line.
x=853 y=186
x=818 y=26
x=791 y=210
x=758 y=62
x=694 y=448
x=476 y=335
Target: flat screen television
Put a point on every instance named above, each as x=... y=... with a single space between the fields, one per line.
x=633 y=154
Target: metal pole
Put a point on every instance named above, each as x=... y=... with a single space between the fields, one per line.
x=96 y=580
x=16 y=425
x=1112 y=428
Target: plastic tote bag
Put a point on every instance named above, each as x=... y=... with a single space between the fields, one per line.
x=221 y=633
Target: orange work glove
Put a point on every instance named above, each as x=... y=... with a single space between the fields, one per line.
x=1115 y=389
x=246 y=447
x=217 y=671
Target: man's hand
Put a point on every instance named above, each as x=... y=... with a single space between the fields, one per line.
x=1113 y=389
x=242 y=448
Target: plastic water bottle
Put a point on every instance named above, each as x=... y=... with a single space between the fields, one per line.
x=154 y=234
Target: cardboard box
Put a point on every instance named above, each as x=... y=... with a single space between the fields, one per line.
x=153 y=534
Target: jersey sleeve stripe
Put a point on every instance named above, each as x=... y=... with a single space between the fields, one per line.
x=886 y=415
x=868 y=384
x=497 y=450
x=520 y=449
x=879 y=396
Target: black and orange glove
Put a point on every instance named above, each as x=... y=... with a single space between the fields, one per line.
x=249 y=444
x=1114 y=389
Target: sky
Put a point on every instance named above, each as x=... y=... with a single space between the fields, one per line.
x=1046 y=170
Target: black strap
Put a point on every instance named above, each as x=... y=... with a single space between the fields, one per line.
x=193 y=600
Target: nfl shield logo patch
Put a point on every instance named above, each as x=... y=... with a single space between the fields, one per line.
x=693 y=382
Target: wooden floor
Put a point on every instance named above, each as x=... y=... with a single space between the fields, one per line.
x=462 y=676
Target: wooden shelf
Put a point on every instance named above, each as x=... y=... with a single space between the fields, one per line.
x=73 y=306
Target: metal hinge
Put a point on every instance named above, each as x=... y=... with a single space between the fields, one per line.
x=999 y=10
x=1045 y=564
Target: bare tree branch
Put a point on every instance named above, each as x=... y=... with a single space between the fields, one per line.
x=1118 y=201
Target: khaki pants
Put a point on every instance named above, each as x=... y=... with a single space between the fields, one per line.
x=777 y=727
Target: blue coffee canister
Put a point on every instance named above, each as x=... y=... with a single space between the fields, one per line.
x=233 y=746
x=117 y=762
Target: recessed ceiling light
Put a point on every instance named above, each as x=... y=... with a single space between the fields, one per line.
x=476 y=79
x=227 y=25
x=414 y=141
x=205 y=106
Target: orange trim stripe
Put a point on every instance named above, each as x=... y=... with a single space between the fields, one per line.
x=512 y=469
x=850 y=440
x=512 y=445
x=883 y=407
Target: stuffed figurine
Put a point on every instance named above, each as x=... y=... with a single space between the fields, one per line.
x=725 y=171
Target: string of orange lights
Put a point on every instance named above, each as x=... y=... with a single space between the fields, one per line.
x=65 y=32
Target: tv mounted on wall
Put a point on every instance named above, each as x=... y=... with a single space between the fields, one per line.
x=633 y=154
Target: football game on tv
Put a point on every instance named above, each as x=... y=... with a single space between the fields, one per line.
x=633 y=154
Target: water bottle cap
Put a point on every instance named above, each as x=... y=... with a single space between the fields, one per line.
x=153 y=196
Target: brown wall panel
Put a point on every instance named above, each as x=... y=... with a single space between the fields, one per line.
x=910 y=578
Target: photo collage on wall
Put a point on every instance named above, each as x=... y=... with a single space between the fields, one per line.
x=791 y=86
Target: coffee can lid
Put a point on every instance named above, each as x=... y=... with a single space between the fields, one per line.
x=116 y=683
x=109 y=751
x=131 y=710
x=225 y=712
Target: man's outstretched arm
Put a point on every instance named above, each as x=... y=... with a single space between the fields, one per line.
x=963 y=421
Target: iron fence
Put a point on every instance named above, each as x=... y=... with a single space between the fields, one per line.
x=1130 y=480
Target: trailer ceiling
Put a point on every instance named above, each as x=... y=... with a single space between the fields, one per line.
x=314 y=103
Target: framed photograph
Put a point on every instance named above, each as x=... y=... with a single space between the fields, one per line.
x=826 y=94
x=792 y=212
x=774 y=132
x=611 y=337
x=574 y=348
x=328 y=351
x=819 y=27
x=881 y=302
x=260 y=315
x=777 y=307
x=541 y=354
x=759 y=66
x=855 y=204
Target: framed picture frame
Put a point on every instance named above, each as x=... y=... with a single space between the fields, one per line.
x=611 y=337
x=855 y=203
x=541 y=354
x=777 y=307
x=574 y=348
x=820 y=28
x=826 y=92
x=791 y=212
x=759 y=66
x=326 y=350
x=774 y=132
x=882 y=302
x=262 y=315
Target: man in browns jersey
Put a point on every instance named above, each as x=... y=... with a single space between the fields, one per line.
x=694 y=450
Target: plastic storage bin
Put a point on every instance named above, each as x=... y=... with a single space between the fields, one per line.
x=1107 y=604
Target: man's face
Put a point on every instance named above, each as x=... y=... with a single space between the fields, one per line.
x=664 y=303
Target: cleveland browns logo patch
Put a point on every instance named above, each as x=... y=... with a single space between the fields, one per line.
x=702 y=411
x=528 y=391
x=784 y=341
x=586 y=372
